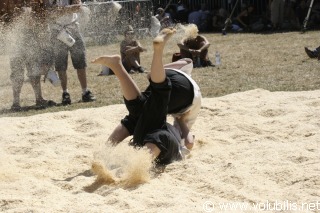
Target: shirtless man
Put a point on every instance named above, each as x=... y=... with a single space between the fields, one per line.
x=195 y=48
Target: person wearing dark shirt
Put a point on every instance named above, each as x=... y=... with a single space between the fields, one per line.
x=148 y=110
x=130 y=50
x=243 y=20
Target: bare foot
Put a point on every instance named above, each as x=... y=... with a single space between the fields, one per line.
x=107 y=60
x=163 y=37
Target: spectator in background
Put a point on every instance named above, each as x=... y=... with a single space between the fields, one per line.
x=130 y=50
x=172 y=11
x=137 y=20
x=301 y=11
x=242 y=21
x=290 y=20
x=314 y=19
x=66 y=23
x=182 y=14
x=218 y=19
x=245 y=22
x=164 y=18
x=195 y=17
x=195 y=48
x=277 y=11
x=31 y=50
x=155 y=26
x=205 y=14
x=84 y=18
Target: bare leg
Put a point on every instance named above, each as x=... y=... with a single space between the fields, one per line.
x=157 y=70
x=82 y=76
x=16 y=88
x=129 y=88
x=158 y=74
x=119 y=134
x=17 y=78
x=36 y=85
x=63 y=79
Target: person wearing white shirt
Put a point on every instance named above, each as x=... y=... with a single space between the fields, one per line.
x=66 y=38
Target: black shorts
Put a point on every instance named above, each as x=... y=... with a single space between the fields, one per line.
x=61 y=51
x=168 y=141
x=182 y=91
x=151 y=126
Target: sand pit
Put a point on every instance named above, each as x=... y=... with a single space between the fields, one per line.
x=252 y=147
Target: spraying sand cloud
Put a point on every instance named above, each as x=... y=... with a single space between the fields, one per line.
x=122 y=165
